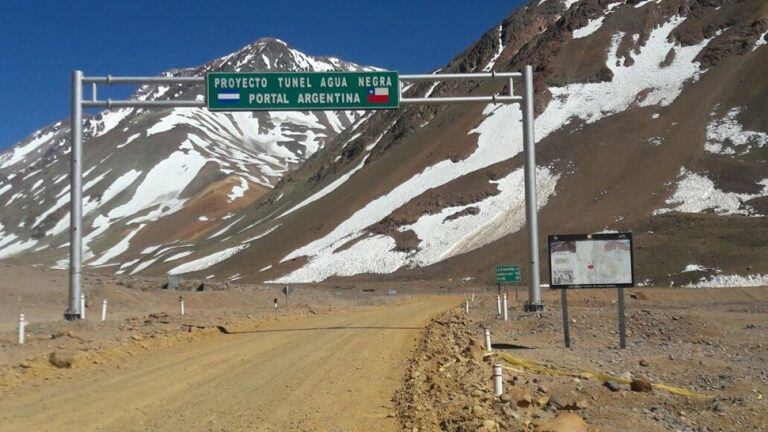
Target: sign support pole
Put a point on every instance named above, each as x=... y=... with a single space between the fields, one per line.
x=566 y=328
x=76 y=198
x=622 y=321
x=531 y=208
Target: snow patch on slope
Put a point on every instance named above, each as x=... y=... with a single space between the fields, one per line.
x=569 y=3
x=591 y=102
x=496 y=55
x=162 y=186
x=496 y=216
x=728 y=281
x=20 y=152
x=645 y=2
x=117 y=249
x=725 y=134
x=760 y=41
x=207 y=261
x=497 y=142
x=694 y=268
x=238 y=191
x=592 y=26
x=696 y=193
x=326 y=190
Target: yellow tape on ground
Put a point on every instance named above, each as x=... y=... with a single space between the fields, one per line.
x=551 y=370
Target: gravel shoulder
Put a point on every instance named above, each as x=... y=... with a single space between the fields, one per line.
x=711 y=342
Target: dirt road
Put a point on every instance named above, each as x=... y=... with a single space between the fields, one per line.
x=335 y=372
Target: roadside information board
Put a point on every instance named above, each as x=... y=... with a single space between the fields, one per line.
x=591 y=260
x=507 y=273
x=300 y=91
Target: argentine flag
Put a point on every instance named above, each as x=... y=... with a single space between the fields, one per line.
x=228 y=96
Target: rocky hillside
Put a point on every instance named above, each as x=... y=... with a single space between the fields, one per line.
x=650 y=118
x=162 y=178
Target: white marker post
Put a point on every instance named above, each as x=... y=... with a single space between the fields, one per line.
x=506 y=309
x=104 y=310
x=498 y=381
x=466 y=306
x=181 y=305
x=498 y=304
x=82 y=306
x=22 y=324
x=473 y=297
x=488 y=347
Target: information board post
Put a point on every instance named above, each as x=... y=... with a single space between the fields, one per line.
x=566 y=325
x=622 y=321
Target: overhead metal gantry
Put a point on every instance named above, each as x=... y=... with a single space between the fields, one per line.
x=76 y=161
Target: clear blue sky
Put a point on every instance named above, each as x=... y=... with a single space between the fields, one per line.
x=41 y=41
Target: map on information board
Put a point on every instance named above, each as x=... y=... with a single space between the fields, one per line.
x=591 y=260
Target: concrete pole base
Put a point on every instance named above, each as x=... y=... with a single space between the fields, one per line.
x=69 y=316
x=530 y=307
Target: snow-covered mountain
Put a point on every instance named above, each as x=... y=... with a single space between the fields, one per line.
x=175 y=174
x=651 y=117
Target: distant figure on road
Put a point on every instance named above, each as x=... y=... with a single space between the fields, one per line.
x=276 y=303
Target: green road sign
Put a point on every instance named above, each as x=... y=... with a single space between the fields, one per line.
x=299 y=91
x=507 y=273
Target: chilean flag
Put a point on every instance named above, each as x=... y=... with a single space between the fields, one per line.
x=378 y=95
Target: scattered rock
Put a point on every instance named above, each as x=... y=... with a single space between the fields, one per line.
x=137 y=337
x=521 y=397
x=555 y=402
x=718 y=407
x=475 y=350
x=612 y=386
x=62 y=359
x=479 y=411
x=641 y=385
x=580 y=404
x=488 y=426
x=565 y=422
x=644 y=363
x=62 y=333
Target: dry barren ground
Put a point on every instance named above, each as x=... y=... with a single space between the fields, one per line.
x=334 y=357
x=320 y=372
x=711 y=342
